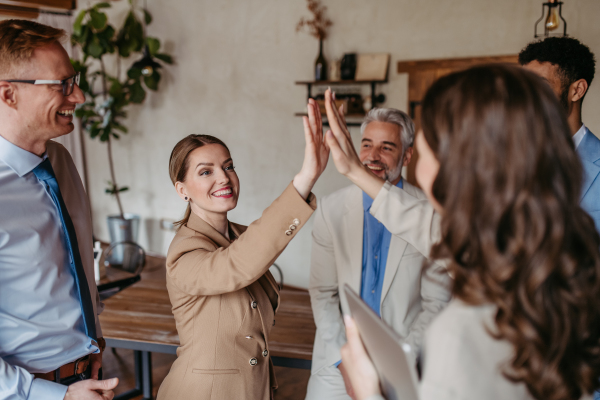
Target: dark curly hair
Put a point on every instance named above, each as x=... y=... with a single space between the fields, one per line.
x=575 y=61
x=509 y=183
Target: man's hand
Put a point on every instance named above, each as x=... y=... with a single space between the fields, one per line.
x=92 y=390
x=347 y=382
x=96 y=363
x=344 y=154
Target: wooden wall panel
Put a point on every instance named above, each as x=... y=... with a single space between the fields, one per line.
x=30 y=9
x=422 y=74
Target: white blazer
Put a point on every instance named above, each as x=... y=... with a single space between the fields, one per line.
x=410 y=299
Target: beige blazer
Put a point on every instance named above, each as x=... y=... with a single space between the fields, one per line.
x=78 y=206
x=409 y=298
x=224 y=301
x=461 y=360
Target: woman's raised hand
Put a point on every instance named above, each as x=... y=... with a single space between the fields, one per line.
x=343 y=152
x=316 y=152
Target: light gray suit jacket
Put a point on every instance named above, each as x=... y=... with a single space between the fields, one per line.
x=409 y=299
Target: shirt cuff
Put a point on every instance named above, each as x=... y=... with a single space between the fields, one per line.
x=381 y=196
x=43 y=389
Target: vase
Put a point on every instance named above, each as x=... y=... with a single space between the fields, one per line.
x=320 y=65
x=122 y=230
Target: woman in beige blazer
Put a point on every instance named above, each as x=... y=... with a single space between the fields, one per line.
x=497 y=161
x=224 y=298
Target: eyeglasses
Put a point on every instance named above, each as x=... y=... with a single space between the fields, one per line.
x=67 y=84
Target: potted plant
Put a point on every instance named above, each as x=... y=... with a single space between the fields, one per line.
x=317 y=27
x=108 y=96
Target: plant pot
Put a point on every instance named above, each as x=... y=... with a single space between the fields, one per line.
x=122 y=230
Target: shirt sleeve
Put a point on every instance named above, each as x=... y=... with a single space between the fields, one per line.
x=16 y=383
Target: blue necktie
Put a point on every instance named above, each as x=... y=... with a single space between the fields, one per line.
x=45 y=175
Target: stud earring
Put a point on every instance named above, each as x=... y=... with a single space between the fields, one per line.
x=186 y=199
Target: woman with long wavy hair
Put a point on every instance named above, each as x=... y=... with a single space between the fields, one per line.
x=497 y=163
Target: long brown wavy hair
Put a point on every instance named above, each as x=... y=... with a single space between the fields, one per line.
x=179 y=163
x=510 y=183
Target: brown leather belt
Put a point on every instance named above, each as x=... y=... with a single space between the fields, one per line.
x=74 y=368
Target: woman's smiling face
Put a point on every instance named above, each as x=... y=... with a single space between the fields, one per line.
x=211 y=184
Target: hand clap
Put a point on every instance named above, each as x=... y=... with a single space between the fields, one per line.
x=316 y=152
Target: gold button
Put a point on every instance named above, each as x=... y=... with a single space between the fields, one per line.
x=296 y=221
x=253 y=361
x=253 y=304
x=265 y=353
x=288 y=232
x=292 y=227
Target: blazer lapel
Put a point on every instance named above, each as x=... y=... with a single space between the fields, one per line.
x=589 y=153
x=353 y=226
x=397 y=247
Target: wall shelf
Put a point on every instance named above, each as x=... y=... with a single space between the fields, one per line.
x=349 y=119
x=375 y=98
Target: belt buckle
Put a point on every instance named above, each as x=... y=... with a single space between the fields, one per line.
x=75 y=371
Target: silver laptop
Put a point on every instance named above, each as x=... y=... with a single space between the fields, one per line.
x=392 y=358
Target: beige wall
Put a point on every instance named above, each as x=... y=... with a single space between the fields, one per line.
x=234 y=78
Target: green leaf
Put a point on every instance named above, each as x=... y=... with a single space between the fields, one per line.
x=120 y=127
x=137 y=94
x=152 y=80
x=134 y=73
x=124 y=189
x=102 y=5
x=164 y=57
x=147 y=17
x=153 y=45
x=95 y=50
x=116 y=136
x=115 y=88
x=77 y=23
x=98 y=20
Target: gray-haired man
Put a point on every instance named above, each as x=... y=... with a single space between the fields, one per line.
x=351 y=246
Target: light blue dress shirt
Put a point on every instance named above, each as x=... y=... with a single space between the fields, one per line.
x=41 y=325
x=376 y=245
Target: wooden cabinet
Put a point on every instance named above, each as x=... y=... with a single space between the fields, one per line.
x=422 y=73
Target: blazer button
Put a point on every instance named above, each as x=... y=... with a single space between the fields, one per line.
x=265 y=353
x=296 y=221
x=253 y=304
x=288 y=232
x=253 y=361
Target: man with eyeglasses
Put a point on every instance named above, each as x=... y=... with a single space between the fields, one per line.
x=50 y=338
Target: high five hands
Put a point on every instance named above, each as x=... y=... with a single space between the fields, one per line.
x=316 y=152
x=339 y=141
x=343 y=152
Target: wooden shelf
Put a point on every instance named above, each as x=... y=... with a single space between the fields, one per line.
x=349 y=118
x=346 y=82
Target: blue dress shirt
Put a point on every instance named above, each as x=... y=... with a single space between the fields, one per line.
x=376 y=245
x=41 y=325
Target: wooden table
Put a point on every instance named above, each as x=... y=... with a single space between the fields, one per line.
x=140 y=318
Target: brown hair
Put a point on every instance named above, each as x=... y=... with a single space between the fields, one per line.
x=509 y=183
x=18 y=40
x=179 y=163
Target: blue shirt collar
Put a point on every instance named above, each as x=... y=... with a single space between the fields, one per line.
x=19 y=160
x=368 y=201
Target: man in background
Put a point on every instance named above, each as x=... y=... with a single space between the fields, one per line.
x=50 y=335
x=569 y=67
x=351 y=246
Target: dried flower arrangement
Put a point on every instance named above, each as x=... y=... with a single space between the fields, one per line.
x=317 y=27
